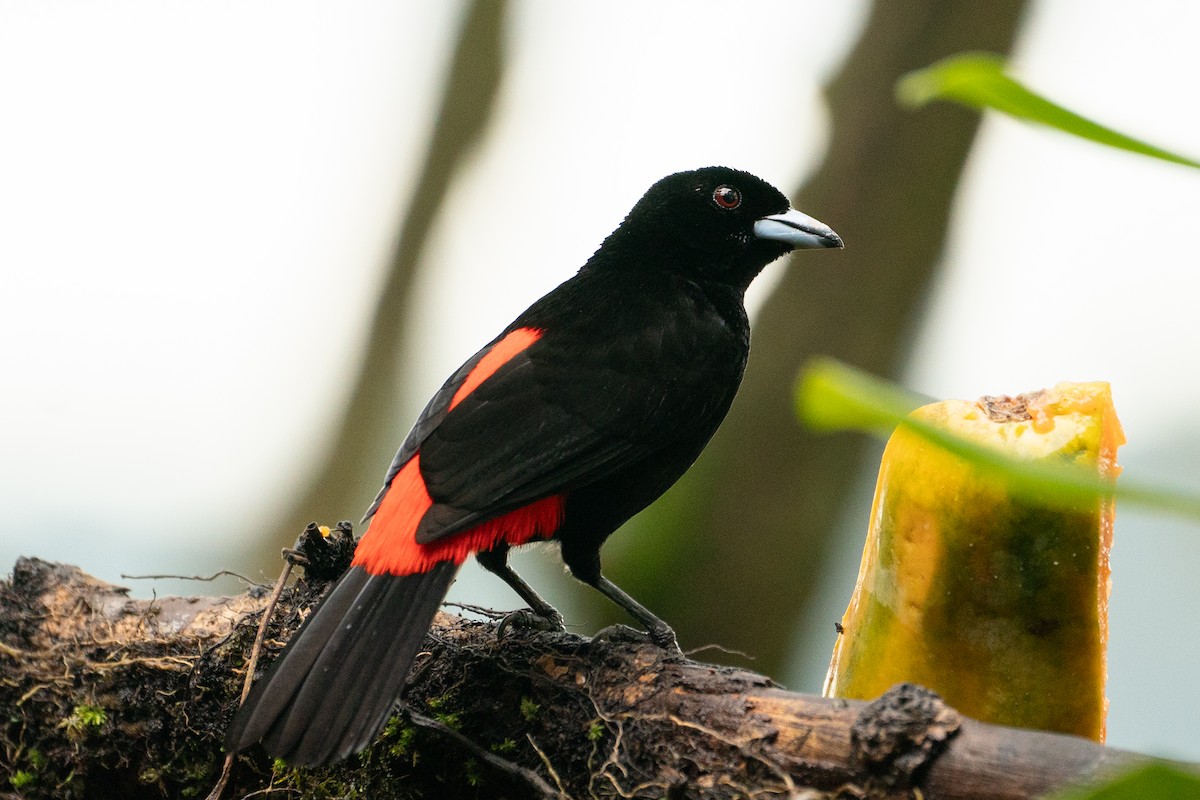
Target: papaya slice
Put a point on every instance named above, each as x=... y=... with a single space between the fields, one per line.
x=989 y=597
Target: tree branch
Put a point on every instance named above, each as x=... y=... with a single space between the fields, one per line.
x=104 y=695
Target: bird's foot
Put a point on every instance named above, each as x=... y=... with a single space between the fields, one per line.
x=527 y=620
x=660 y=636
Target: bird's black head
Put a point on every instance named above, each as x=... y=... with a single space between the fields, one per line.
x=713 y=223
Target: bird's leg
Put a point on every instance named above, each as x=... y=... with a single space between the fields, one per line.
x=582 y=557
x=544 y=616
x=659 y=632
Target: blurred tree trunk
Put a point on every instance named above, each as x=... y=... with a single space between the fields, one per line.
x=372 y=425
x=753 y=519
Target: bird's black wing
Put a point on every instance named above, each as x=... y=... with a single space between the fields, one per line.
x=429 y=418
x=569 y=411
x=604 y=386
x=516 y=438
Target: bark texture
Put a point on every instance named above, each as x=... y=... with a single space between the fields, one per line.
x=105 y=696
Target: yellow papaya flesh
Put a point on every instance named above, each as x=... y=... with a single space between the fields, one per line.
x=997 y=602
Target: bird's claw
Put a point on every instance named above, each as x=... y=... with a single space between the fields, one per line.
x=662 y=636
x=528 y=620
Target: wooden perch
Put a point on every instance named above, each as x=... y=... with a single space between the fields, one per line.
x=107 y=696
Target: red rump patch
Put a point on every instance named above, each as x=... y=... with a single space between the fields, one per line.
x=390 y=546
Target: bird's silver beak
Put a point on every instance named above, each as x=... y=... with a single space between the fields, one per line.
x=797 y=230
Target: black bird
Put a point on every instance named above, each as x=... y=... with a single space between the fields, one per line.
x=577 y=416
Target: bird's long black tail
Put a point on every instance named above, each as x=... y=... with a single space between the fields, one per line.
x=332 y=688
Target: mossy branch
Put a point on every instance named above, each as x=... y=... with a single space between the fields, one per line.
x=108 y=696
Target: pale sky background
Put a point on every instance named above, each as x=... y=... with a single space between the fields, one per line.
x=196 y=202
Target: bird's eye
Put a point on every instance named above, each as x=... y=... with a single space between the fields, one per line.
x=727 y=197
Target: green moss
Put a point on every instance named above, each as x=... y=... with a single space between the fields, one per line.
x=595 y=731
x=439 y=707
x=471 y=771
x=307 y=782
x=403 y=743
x=91 y=716
x=450 y=720
x=506 y=746
x=84 y=719
x=22 y=779
x=397 y=739
x=529 y=709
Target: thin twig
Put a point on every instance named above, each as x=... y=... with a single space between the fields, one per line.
x=32 y=692
x=490 y=758
x=270 y=790
x=480 y=610
x=251 y=665
x=15 y=652
x=173 y=663
x=729 y=651
x=226 y=769
x=562 y=791
x=201 y=578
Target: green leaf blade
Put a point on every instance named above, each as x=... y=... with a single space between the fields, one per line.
x=978 y=81
x=834 y=396
x=1157 y=781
